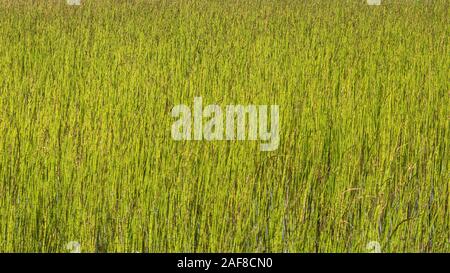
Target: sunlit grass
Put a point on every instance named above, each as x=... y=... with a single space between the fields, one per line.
x=86 y=152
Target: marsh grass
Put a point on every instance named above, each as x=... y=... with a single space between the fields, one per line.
x=86 y=153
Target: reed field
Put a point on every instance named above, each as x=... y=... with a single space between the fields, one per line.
x=86 y=152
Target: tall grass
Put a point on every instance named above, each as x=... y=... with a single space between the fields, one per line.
x=85 y=147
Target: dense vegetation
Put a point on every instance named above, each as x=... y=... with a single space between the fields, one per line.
x=86 y=152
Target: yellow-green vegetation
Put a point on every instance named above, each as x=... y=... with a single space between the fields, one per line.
x=86 y=152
